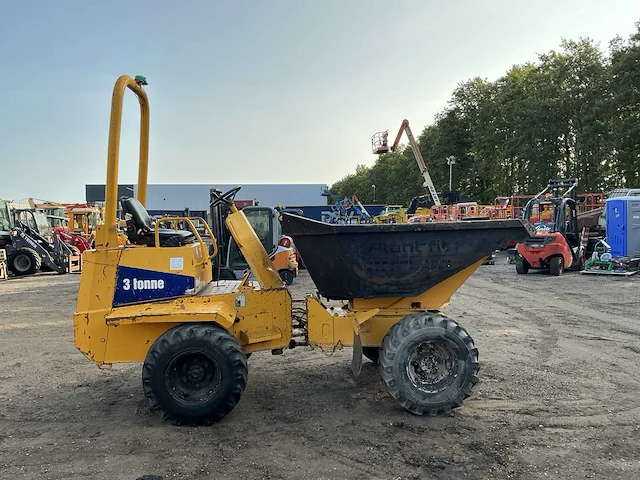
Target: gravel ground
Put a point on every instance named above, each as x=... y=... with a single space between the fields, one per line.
x=559 y=396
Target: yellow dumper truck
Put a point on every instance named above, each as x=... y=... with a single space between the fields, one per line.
x=153 y=300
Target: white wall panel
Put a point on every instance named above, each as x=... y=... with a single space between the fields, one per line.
x=196 y=196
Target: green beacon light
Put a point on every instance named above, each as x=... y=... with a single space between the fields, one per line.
x=141 y=80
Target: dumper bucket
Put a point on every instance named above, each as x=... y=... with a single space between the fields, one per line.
x=394 y=260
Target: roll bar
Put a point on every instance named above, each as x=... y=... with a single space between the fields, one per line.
x=107 y=234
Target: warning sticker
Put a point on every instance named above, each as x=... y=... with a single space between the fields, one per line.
x=176 y=263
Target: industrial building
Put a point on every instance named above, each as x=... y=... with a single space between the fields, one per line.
x=173 y=199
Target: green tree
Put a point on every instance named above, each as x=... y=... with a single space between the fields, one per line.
x=624 y=90
x=573 y=113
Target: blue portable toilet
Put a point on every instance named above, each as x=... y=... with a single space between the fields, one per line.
x=623 y=226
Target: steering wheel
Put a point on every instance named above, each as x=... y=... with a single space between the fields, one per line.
x=224 y=198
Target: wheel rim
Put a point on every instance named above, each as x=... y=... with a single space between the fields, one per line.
x=432 y=367
x=561 y=265
x=22 y=263
x=193 y=377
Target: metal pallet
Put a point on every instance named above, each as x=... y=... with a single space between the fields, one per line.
x=609 y=272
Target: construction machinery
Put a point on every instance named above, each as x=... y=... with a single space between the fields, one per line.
x=30 y=244
x=71 y=223
x=54 y=211
x=286 y=240
x=392 y=214
x=28 y=251
x=41 y=224
x=6 y=222
x=398 y=214
x=79 y=242
x=283 y=258
x=35 y=219
x=558 y=244
x=347 y=211
x=436 y=213
x=230 y=263
x=154 y=300
x=83 y=218
x=77 y=218
x=285 y=262
x=419 y=206
x=379 y=144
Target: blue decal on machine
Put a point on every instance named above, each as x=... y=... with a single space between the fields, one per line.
x=135 y=285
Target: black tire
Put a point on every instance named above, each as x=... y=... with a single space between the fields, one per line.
x=24 y=261
x=194 y=374
x=522 y=266
x=556 y=266
x=411 y=350
x=286 y=276
x=372 y=353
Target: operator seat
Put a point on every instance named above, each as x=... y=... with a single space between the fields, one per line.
x=141 y=230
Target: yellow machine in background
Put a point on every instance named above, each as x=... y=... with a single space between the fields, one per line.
x=84 y=220
x=392 y=214
x=54 y=211
x=153 y=300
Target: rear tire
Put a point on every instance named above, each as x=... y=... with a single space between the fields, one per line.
x=429 y=363
x=194 y=374
x=286 y=276
x=556 y=266
x=522 y=266
x=24 y=261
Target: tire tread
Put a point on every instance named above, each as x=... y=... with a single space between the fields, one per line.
x=219 y=338
x=35 y=257
x=392 y=344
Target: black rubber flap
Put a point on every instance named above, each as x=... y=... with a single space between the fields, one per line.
x=391 y=260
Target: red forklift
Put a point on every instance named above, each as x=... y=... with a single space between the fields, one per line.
x=557 y=245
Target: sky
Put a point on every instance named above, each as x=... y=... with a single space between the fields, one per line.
x=251 y=91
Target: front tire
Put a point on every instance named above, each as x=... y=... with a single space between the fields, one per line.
x=429 y=363
x=556 y=266
x=286 y=276
x=522 y=266
x=194 y=374
x=25 y=261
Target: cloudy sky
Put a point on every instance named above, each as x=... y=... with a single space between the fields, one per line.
x=251 y=91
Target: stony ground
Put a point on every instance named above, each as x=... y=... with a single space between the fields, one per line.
x=559 y=397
